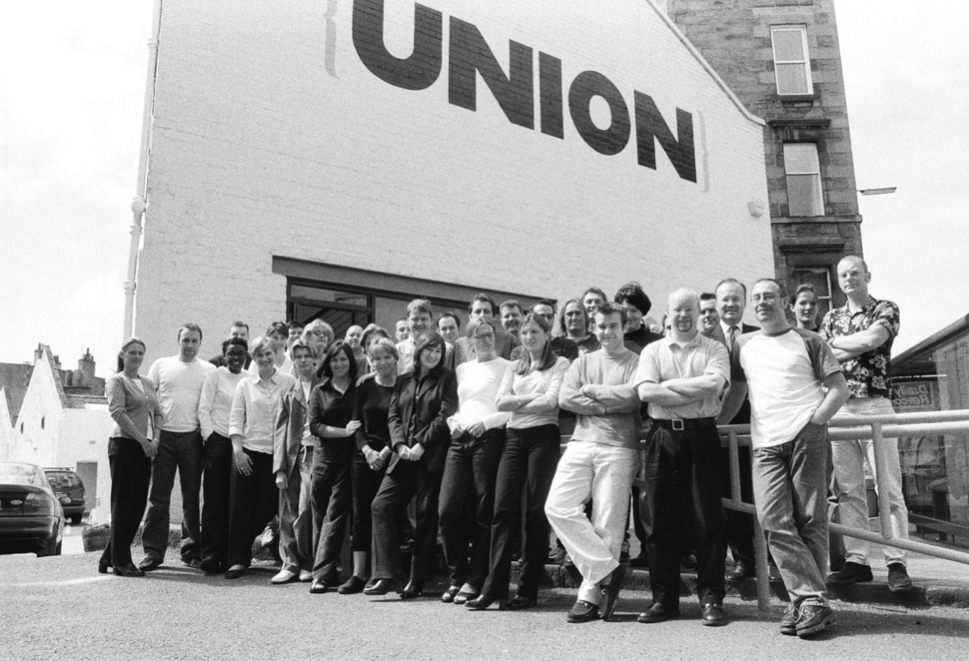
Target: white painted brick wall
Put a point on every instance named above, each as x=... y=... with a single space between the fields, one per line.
x=258 y=151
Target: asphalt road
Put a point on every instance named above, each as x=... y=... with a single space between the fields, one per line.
x=61 y=608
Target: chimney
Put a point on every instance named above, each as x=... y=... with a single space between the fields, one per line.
x=86 y=367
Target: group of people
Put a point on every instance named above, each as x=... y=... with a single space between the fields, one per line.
x=338 y=437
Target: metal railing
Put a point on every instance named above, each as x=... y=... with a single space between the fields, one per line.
x=877 y=428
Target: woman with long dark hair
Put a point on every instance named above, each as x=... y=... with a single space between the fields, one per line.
x=804 y=305
x=331 y=409
x=530 y=392
x=133 y=405
x=422 y=402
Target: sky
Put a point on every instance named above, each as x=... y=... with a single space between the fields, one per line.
x=72 y=88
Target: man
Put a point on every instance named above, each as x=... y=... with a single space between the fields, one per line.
x=561 y=346
x=861 y=334
x=401 y=330
x=636 y=303
x=681 y=377
x=709 y=317
x=449 y=326
x=295 y=332
x=238 y=329
x=796 y=386
x=511 y=316
x=731 y=301
x=293 y=447
x=599 y=463
x=178 y=381
x=483 y=305
x=592 y=298
x=419 y=316
x=353 y=339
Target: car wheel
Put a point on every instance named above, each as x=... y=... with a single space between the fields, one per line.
x=76 y=519
x=53 y=548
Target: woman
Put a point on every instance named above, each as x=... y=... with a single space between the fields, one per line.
x=215 y=404
x=331 y=424
x=423 y=400
x=320 y=336
x=371 y=405
x=530 y=392
x=477 y=438
x=574 y=324
x=133 y=405
x=254 y=495
x=804 y=304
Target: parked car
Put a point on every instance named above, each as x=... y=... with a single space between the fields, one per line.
x=31 y=516
x=69 y=489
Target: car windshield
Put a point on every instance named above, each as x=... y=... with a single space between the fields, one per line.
x=26 y=474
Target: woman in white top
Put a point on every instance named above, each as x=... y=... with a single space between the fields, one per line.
x=530 y=392
x=252 y=420
x=477 y=437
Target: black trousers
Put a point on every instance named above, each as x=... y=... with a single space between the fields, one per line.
x=526 y=469
x=469 y=481
x=407 y=479
x=216 y=485
x=130 y=476
x=682 y=474
x=365 y=483
x=332 y=494
x=254 y=501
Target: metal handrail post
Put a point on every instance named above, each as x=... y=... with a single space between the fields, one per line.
x=881 y=480
x=734 y=458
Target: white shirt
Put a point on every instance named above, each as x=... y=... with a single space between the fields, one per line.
x=667 y=359
x=215 y=402
x=255 y=406
x=478 y=385
x=543 y=410
x=179 y=386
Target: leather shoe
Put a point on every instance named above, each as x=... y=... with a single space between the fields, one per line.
x=149 y=564
x=192 y=563
x=128 y=570
x=305 y=576
x=740 y=572
x=380 y=587
x=583 y=611
x=657 y=613
x=210 y=565
x=520 y=603
x=482 y=602
x=318 y=586
x=464 y=596
x=284 y=576
x=713 y=615
x=610 y=592
x=103 y=568
x=353 y=585
x=450 y=593
x=235 y=571
x=898 y=578
x=413 y=590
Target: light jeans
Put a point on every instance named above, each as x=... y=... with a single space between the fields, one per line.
x=790 y=490
x=604 y=474
x=849 y=459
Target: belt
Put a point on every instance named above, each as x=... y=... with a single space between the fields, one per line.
x=681 y=424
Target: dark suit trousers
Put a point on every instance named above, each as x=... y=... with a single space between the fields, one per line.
x=130 y=475
x=527 y=467
x=365 y=483
x=332 y=494
x=216 y=484
x=682 y=473
x=254 y=501
x=469 y=473
x=407 y=479
x=181 y=452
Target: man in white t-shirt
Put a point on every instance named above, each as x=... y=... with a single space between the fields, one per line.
x=795 y=386
x=178 y=380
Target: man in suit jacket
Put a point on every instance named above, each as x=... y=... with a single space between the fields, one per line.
x=293 y=446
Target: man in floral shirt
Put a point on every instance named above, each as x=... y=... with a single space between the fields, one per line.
x=861 y=334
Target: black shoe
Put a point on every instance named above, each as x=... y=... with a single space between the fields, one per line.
x=353 y=585
x=813 y=618
x=413 y=590
x=852 y=572
x=482 y=602
x=210 y=565
x=150 y=564
x=641 y=561
x=450 y=594
x=556 y=557
x=657 y=613
x=193 y=563
x=713 y=616
x=789 y=620
x=128 y=570
x=103 y=568
x=235 y=572
x=610 y=592
x=740 y=571
x=898 y=580
x=380 y=587
x=583 y=611
x=774 y=574
x=520 y=603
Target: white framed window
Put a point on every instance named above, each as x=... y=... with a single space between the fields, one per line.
x=804 y=194
x=792 y=64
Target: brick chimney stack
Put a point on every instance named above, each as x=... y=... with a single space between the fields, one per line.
x=86 y=366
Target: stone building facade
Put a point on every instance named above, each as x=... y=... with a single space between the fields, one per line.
x=782 y=60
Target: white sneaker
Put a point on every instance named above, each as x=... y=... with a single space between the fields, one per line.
x=305 y=576
x=284 y=576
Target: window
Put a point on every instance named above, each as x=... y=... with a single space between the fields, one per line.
x=820 y=277
x=792 y=65
x=804 y=194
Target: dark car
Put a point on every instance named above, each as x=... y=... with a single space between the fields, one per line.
x=31 y=517
x=69 y=490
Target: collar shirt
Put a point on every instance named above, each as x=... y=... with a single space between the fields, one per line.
x=405 y=352
x=668 y=359
x=215 y=403
x=254 y=409
x=868 y=374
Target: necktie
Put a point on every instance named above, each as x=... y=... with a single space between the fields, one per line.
x=732 y=337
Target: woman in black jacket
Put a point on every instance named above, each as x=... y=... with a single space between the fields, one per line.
x=422 y=402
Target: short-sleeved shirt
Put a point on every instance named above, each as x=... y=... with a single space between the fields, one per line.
x=667 y=359
x=868 y=374
x=784 y=374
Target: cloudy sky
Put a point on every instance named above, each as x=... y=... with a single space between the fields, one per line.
x=72 y=84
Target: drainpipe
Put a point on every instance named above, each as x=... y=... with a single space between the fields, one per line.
x=138 y=204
